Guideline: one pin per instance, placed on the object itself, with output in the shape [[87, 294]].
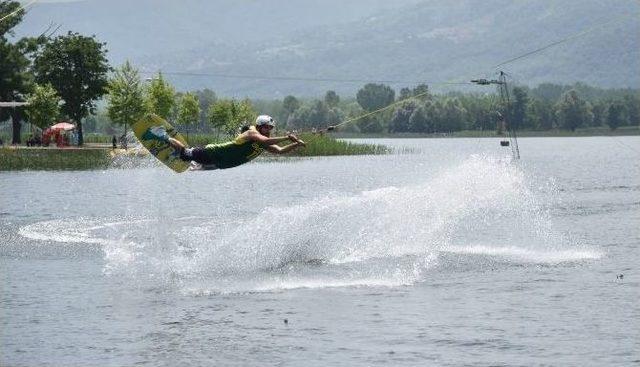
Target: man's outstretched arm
[[256, 136], [276, 149]]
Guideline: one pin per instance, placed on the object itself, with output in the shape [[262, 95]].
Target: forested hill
[[430, 41], [136, 28]]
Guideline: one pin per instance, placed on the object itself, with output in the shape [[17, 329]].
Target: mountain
[[135, 28], [412, 41]]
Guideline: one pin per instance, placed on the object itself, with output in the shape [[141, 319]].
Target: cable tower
[[504, 116]]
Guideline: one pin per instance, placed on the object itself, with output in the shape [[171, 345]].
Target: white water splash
[[385, 237]]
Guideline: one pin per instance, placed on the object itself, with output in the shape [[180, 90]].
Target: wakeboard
[[152, 131]]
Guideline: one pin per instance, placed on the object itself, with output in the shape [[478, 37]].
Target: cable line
[[17, 10], [566, 39], [304, 79], [527, 54], [380, 109]]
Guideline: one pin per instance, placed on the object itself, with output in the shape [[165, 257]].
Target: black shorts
[[197, 155]]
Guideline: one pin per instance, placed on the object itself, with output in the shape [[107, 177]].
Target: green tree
[[77, 68], [228, 115], [125, 96], [599, 110], [453, 115], [399, 122], [370, 124], [405, 93], [518, 108], [420, 120], [331, 99], [44, 106], [434, 112], [205, 98], [243, 113], [617, 115], [351, 110], [632, 103], [220, 115], [9, 22], [160, 97], [548, 92], [375, 96], [540, 115], [421, 92], [480, 110], [315, 115], [572, 111], [290, 104], [188, 111], [15, 79]]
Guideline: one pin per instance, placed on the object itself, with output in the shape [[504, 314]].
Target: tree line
[[416, 110]]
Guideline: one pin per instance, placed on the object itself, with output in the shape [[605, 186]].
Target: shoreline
[[579, 133], [96, 156]]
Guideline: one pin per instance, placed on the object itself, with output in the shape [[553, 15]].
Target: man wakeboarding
[[245, 147]]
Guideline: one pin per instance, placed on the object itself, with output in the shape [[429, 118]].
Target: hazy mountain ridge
[[146, 27], [430, 41], [419, 44]]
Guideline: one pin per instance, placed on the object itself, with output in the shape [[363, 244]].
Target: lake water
[[447, 254]]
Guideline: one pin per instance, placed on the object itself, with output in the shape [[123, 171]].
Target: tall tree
[[540, 114], [314, 115], [617, 115], [399, 122], [632, 102], [405, 93], [44, 105], [599, 109], [421, 92], [375, 96], [126, 96], [573, 111], [188, 110], [290, 104], [370, 124], [228, 115], [454, 115], [331, 99], [205, 98], [76, 66], [420, 120], [9, 21], [548, 91], [160, 97], [518, 108], [15, 80], [220, 114]]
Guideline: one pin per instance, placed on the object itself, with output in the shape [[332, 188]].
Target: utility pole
[[503, 89]]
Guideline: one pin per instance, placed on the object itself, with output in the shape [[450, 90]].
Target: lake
[[445, 253]]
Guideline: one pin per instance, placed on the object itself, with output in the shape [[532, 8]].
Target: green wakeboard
[[152, 131]]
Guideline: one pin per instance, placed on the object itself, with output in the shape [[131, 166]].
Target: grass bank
[[102, 157], [323, 145], [12, 159]]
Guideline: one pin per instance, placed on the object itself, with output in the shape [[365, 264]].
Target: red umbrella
[[63, 126]]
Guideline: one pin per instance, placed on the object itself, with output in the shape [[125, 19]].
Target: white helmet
[[265, 120]]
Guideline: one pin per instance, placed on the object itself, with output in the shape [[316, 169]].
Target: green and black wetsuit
[[225, 155]]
